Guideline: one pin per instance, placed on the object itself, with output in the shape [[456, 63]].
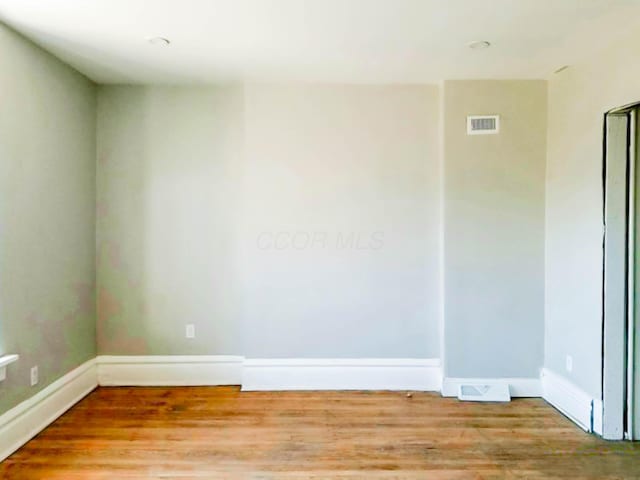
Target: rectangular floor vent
[[488, 392]]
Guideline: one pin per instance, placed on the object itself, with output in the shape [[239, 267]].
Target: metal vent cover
[[485, 392], [483, 124]]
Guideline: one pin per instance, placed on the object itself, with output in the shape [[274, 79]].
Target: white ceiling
[[363, 41]]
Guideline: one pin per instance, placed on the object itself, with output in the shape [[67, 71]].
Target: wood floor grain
[[221, 433]]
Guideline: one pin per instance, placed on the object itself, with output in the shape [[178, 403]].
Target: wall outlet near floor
[[34, 375], [190, 331], [569, 363]]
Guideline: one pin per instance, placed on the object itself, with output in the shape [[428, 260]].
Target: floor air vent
[[488, 392]]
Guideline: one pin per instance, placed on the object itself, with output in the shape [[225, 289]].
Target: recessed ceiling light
[[479, 45], [159, 41]]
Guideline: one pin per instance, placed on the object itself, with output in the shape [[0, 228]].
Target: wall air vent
[[483, 124]]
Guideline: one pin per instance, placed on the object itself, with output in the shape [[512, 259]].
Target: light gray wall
[[307, 216], [494, 230], [325, 162], [47, 220], [167, 208], [578, 99]]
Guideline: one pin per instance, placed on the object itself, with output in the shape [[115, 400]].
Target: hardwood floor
[[220, 433]]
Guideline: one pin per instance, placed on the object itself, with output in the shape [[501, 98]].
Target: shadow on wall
[[167, 168], [121, 281]]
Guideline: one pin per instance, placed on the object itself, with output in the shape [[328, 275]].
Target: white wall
[[494, 230], [578, 100], [323, 163], [198, 188]]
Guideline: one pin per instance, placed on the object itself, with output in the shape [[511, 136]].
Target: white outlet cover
[[34, 375], [190, 331], [569, 363]]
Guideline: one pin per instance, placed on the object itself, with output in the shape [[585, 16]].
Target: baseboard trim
[[27, 419], [169, 370], [341, 374], [572, 401], [598, 413], [518, 387]]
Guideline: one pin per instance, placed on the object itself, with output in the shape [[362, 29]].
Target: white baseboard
[[270, 374], [169, 370], [598, 413], [342, 374], [23, 422], [27, 419], [518, 387], [572, 401]]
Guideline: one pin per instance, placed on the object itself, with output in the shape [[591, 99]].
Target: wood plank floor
[[221, 433]]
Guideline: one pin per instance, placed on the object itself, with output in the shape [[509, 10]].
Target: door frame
[[619, 187]]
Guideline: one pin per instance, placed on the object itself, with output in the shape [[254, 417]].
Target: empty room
[[319, 239]]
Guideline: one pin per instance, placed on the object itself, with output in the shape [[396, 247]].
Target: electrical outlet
[[569, 363], [190, 331], [34, 375]]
